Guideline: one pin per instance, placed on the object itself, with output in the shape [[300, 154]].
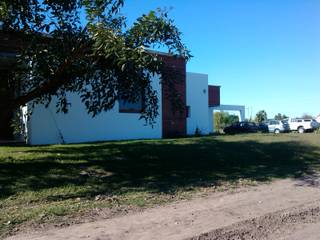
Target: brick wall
[[174, 118], [214, 95]]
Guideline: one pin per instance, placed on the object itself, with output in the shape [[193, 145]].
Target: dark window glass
[[126, 106]]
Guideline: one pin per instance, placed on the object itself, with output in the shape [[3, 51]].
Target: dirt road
[[285, 209]]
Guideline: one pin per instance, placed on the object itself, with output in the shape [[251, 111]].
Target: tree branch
[[56, 81]]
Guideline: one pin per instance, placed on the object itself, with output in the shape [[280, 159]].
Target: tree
[[280, 116], [261, 116], [232, 119], [217, 121], [99, 57], [223, 119], [307, 116]]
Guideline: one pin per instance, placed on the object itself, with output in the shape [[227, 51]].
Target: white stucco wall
[[197, 99], [77, 126]]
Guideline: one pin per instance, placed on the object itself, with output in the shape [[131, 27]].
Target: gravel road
[[284, 209]]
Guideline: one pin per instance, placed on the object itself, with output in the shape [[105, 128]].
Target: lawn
[[44, 184]]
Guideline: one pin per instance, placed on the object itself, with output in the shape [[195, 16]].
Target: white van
[[302, 125]]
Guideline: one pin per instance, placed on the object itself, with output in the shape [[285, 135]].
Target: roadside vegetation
[[222, 120], [60, 183]]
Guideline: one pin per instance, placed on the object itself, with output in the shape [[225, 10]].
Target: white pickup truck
[[302, 125]]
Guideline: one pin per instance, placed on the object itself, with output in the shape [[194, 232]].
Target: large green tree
[[86, 47], [223, 119], [280, 116], [261, 116]]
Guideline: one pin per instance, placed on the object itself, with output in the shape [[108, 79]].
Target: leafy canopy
[[86, 47], [280, 116], [223, 119], [261, 116]]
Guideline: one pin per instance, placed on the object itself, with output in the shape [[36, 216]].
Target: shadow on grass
[[155, 166]]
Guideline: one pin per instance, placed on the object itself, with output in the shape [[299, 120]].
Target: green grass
[[44, 183]]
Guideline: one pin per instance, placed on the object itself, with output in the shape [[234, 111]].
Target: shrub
[[197, 132]]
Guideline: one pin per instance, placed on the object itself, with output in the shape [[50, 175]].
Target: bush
[[197, 132]]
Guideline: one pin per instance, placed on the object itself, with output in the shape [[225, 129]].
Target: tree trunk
[[6, 131], [6, 114]]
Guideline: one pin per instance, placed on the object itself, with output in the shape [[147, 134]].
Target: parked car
[[277, 126], [302, 125], [241, 127], [263, 127]]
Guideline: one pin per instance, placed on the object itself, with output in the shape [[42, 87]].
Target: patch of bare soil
[[284, 209], [277, 225]]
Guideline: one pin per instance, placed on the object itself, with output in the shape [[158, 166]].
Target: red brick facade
[[174, 122], [214, 95]]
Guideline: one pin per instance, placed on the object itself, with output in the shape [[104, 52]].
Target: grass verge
[[43, 184]]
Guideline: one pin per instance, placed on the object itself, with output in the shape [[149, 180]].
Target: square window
[[126, 106]]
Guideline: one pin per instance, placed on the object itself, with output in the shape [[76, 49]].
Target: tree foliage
[[85, 47], [3, 10], [307, 116], [261, 116], [280, 116], [223, 119]]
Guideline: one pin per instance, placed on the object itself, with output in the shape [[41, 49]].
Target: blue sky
[[265, 54]]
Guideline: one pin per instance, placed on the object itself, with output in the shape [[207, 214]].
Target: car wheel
[[300, 130], [277, 131]]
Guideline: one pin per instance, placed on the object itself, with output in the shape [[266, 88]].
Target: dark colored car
[[263, 127], [241, 127]]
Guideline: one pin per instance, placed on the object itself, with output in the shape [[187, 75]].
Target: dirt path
[[284, 209], [300, 222]]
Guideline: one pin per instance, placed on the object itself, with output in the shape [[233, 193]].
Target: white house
[[45, 126]]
